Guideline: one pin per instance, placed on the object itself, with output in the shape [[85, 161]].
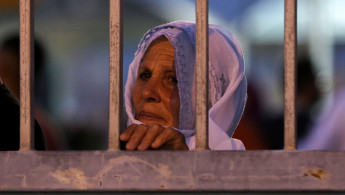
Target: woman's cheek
[[175, 107], [136, 96]]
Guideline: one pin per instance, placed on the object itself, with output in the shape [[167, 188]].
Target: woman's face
[[155, 93]]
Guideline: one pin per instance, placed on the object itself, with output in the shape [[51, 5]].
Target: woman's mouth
[[149, 116]]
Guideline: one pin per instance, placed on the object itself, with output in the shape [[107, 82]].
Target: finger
[[136, 137], [151, 134], [163, 137], [127, 133]]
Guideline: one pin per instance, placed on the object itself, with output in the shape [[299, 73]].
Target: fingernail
[[129, 146], [123, 137], [140, 147], [154, 145]]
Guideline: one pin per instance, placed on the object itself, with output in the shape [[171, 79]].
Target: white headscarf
[[227, 82]]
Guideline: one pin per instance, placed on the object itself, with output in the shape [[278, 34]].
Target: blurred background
[[72, 85]]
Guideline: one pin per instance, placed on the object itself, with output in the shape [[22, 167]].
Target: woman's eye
[[145, 75], [174, 80]]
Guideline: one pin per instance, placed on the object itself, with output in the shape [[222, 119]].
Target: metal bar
[[201, 172], [26, 74], [290, 42], [115, 74], [201, 70]]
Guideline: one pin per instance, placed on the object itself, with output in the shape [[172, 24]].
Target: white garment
[[227, 82]]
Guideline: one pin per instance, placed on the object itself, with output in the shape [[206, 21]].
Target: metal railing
[[116, 67], [26, 74], [114, 170], [290, 42], [115, 74]]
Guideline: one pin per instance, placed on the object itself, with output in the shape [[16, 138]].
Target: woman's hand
[[157, 137]]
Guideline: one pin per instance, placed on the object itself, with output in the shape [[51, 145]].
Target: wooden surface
[[290, 41], [115, 74], [26, 74], [201, 74]]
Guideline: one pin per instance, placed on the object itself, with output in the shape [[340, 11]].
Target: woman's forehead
[[160, 52], [160, 46], [164, 63]]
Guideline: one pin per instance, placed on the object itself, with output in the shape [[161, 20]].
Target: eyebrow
[[144, 69]]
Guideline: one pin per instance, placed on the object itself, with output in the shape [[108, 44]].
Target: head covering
[[227, 82]]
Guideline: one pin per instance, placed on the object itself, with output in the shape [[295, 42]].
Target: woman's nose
[[150, 91]]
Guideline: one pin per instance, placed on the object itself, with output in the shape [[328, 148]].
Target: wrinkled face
[[155, 93]]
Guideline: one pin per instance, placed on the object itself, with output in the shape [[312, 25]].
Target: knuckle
[[154, 130], [169, 130], [155, 126], [135, 138], [172, 132], [133, 125]]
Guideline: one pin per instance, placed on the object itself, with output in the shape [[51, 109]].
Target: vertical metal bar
[[201, 74], [290, 42], [26, 74], [115, 74]]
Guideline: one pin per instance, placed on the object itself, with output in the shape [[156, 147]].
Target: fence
[[189, 171]]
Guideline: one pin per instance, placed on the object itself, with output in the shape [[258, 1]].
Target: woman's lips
[[148, 116]]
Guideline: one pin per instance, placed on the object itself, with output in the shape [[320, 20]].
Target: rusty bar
[[115, 73], [290, 42], [201, 74], [26, 74]]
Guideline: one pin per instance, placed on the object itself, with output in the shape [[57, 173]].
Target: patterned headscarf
[[227, 82]]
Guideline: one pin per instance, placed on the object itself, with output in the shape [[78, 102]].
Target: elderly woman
[[160, 90]]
